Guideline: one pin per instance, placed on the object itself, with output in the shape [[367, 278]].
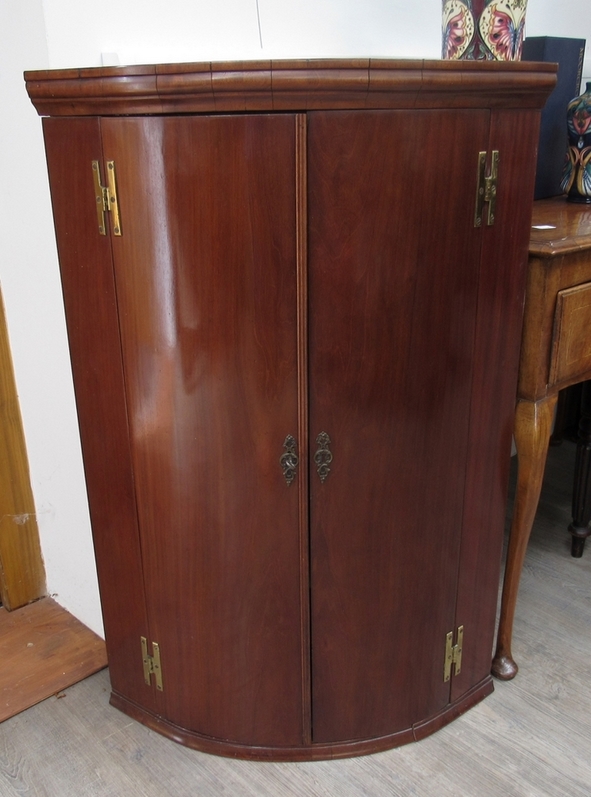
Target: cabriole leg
[[533, 423]]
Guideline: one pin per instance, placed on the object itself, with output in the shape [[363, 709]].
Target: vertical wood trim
[[22, 575], [303, 432], [503, 272]]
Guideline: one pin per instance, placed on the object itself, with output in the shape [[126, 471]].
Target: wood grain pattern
[[289, 85], [43, 650], [301, 177], [393, 291], [559, 260], [206, 289], [530, 737], [22, 575], [267, 260], [318, 751], [500, 307], [533, 423], [571, 346], [558, 272], [559, 227], [89, 299]]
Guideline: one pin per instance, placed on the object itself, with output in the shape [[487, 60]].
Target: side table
[[555, 353]]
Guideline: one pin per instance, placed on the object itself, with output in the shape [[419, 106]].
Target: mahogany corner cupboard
[[294, 294]]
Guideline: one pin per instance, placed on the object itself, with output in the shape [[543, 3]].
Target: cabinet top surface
[[559, 227], [295, 85]]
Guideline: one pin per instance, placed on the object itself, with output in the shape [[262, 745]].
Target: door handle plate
[[323, 456], [289, 460]]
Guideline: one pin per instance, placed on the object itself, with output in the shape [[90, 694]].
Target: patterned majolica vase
[[479, 30], [576, 178]]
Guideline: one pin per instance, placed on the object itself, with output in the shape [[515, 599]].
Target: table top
[[559, 227]]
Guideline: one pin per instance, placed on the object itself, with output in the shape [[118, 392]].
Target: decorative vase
[[479, 30], [576, 179]]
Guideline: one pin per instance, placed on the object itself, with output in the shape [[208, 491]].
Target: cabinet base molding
[[313, 752]]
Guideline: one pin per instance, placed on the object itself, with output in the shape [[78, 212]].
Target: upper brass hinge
[[486, 188], [106, 197], [152, 664], [453, 653]]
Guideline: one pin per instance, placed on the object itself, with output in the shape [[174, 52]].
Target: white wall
[[68, 33], [30, 284], [191, 30], [570, 18]]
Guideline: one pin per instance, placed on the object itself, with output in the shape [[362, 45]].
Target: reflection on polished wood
[[289, 85], [555, 353], [295, 273]]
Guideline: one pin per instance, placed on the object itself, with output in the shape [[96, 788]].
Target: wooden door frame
[[22, 575]]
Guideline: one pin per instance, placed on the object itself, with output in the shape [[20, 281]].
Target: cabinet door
[[206, 291], [91, 312], [394, 273], [496, 362]]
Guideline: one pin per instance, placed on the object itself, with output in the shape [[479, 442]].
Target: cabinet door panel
[[91, 312], [394, 270], [501, 297], [206, 285]]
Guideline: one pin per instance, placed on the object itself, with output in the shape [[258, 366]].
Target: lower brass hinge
[[453, 654], [152, 664]]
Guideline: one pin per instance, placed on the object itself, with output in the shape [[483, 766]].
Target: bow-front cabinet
[[293, 293]]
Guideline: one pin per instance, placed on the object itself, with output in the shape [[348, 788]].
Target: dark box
[[568, 53]]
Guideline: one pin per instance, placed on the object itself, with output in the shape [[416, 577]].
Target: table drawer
[[571, 339]]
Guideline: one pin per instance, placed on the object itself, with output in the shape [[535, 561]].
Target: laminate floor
[[530, 738]]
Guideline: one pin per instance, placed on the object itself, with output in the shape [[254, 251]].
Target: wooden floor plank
[[43, 650]]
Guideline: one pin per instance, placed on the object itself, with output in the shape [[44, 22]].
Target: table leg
[[579, 528], [533, 424], [557, 435]]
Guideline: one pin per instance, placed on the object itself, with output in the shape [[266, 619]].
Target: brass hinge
[[106, 197], [486, 189], [152, 664], [453, 654]]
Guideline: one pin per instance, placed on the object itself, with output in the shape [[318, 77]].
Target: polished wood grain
[[530, 737], [571, 346], [559, 227], [553, 356], [318, 751], [303, 483], [95, 350], [43, 649], [206, 289], [295, 274], [559, 248], [533, 424], [393, 286], [496, 358], [22, 575], [289, 85]]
